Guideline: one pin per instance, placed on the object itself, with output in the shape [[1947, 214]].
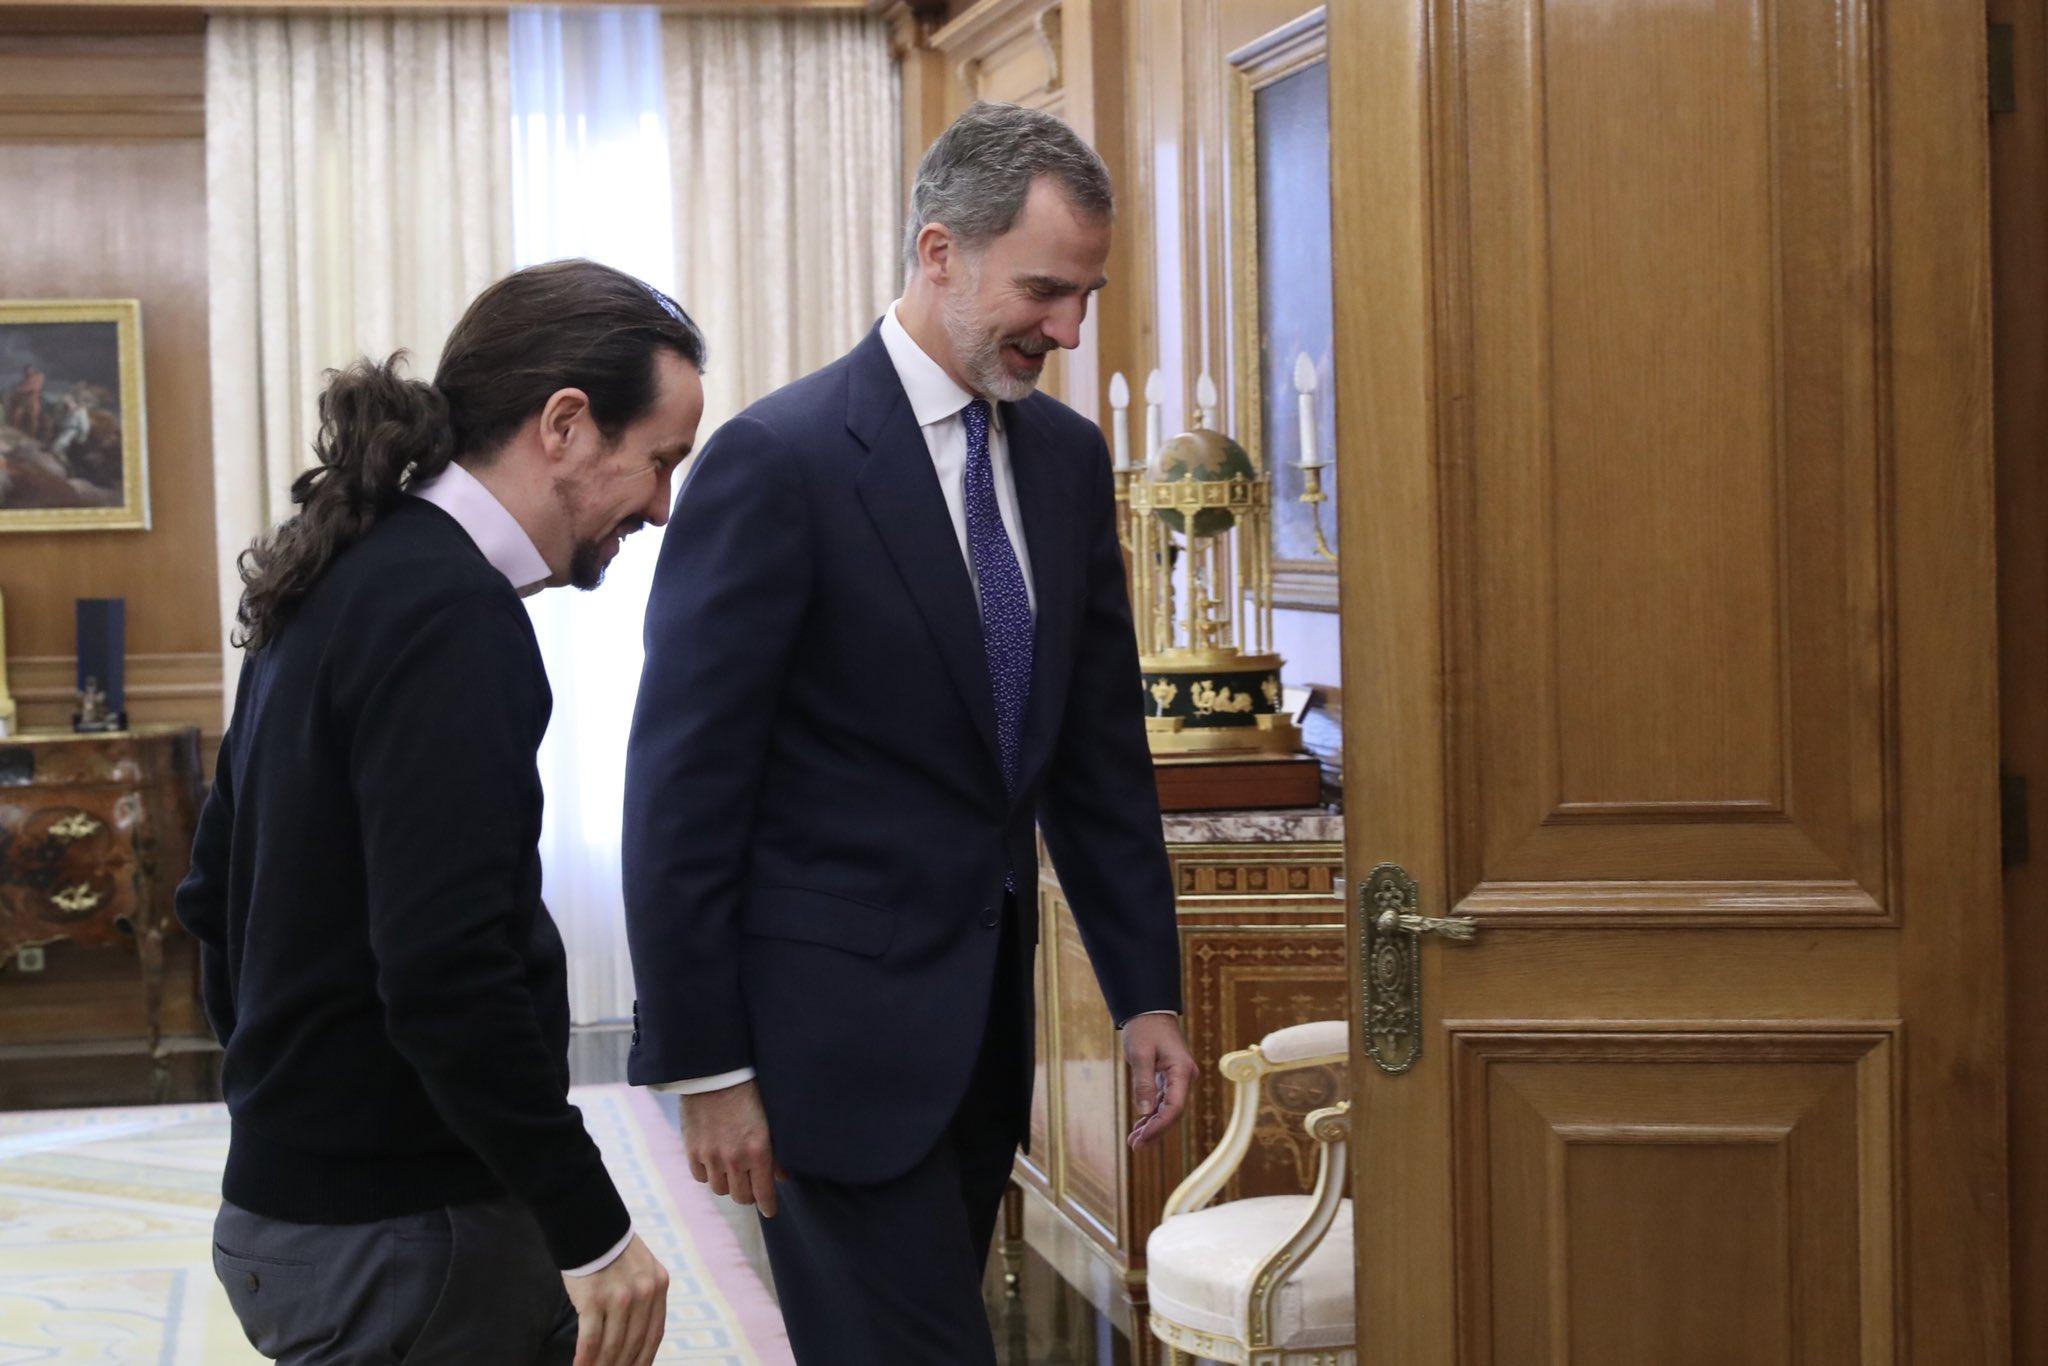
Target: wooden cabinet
[[95, 833], [1262, 946]]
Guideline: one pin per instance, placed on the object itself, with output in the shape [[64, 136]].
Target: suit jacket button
[[989, 918]]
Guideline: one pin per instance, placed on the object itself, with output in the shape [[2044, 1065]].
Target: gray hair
[[975, 177]]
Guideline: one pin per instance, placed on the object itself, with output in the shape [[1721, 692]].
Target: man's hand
[[621, 1311], [725, 1134], [1162, 1074]]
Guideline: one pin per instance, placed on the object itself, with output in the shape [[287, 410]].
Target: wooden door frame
[[2019, 278], [1386, 368], [1934, 268]]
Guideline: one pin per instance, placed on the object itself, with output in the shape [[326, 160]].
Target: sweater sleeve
[[201, 900], [442, 762]]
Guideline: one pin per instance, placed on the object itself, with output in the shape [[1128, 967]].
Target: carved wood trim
[[1674, 905]]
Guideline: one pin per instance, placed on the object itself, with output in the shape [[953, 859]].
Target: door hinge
[[2012, 818], [1999, 51]]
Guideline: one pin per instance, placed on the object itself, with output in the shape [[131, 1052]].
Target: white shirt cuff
[[1143, 1013], [618, 1251], [697, 1086]]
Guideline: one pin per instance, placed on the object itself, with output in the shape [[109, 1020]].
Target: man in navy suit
[[889, 637]]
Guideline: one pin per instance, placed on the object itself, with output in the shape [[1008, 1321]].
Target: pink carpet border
[[723, 1259]]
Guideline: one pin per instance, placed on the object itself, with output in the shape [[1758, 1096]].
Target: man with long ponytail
[[406, 1179]]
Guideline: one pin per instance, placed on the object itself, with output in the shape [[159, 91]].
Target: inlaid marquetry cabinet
[[1262, 946], [98, 999]]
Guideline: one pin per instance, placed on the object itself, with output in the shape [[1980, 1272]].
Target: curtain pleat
[[358, 196], [591, 179], [784, 145]]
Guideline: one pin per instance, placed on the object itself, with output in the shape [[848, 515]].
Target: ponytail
[[379, 433]]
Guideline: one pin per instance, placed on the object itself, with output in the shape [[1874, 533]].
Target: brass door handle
[[1449, 926], [1390, 956]]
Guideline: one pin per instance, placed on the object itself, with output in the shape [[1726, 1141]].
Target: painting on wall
[[71, 420], [1284, 303]]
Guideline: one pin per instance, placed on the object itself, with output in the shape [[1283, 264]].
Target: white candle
[[1305, 386], [1120, 420], [1205, 400], [1155, 398]]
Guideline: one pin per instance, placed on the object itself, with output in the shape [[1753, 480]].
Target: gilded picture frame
[[73, 429], [1291, 55], [10, 715]]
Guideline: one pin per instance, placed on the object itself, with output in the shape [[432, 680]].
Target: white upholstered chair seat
[[1199, 1269]]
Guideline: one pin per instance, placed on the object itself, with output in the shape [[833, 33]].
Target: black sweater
[[365, 889]]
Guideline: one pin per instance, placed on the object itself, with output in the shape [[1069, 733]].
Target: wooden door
[[1663, 356]]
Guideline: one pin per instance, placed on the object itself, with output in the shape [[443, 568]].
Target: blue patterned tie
[[1005, 606]]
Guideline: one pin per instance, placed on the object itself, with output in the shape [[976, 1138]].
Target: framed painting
[[71, 418], [1283, 304]]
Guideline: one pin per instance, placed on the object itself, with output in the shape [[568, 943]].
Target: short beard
[[586, 565], [586, 558], [978, 348]]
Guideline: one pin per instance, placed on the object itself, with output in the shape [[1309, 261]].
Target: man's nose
[[657, 509], [1064, 324]]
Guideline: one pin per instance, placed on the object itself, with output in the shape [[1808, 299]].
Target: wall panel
[[102, 151]]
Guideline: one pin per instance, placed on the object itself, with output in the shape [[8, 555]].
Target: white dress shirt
[[936, 401], [512, 553]]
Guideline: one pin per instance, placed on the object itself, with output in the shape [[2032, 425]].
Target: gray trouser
[[458, 1286]]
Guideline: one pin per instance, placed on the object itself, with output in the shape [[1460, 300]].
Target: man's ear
[[938, 254], [562, 419]]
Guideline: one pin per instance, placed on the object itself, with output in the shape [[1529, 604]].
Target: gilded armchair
[[1264, 1281]]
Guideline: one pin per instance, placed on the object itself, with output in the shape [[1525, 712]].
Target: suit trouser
[[890, 1274], [458, 1286]]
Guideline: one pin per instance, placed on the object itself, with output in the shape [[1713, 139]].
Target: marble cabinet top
[[1305, 825]]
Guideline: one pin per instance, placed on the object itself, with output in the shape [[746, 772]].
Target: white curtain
[[786, 146], [359, 194], [590, 178], [779, 140]]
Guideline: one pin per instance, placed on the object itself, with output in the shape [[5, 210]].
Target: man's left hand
[[1162, 1074]]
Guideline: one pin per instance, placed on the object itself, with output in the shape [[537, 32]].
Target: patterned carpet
[[106, 1215]]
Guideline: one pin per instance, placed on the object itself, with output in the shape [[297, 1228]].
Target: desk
[[95, 834], [1262, 946]]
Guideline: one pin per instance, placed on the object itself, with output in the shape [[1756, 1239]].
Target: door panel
[[1765, 1149], [1663, 375], [1662, 523]]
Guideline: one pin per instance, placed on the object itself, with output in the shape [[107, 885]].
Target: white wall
[[1308, 643]]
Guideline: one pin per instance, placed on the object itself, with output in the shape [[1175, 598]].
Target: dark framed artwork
[[72, 456], [1283, 291]]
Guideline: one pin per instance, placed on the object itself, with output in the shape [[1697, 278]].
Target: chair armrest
[[1243, 1069], [1320, 1043], [1331, 1128], [1315, 1044]]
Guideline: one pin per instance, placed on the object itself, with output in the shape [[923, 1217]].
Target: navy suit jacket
[[817, 829]]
